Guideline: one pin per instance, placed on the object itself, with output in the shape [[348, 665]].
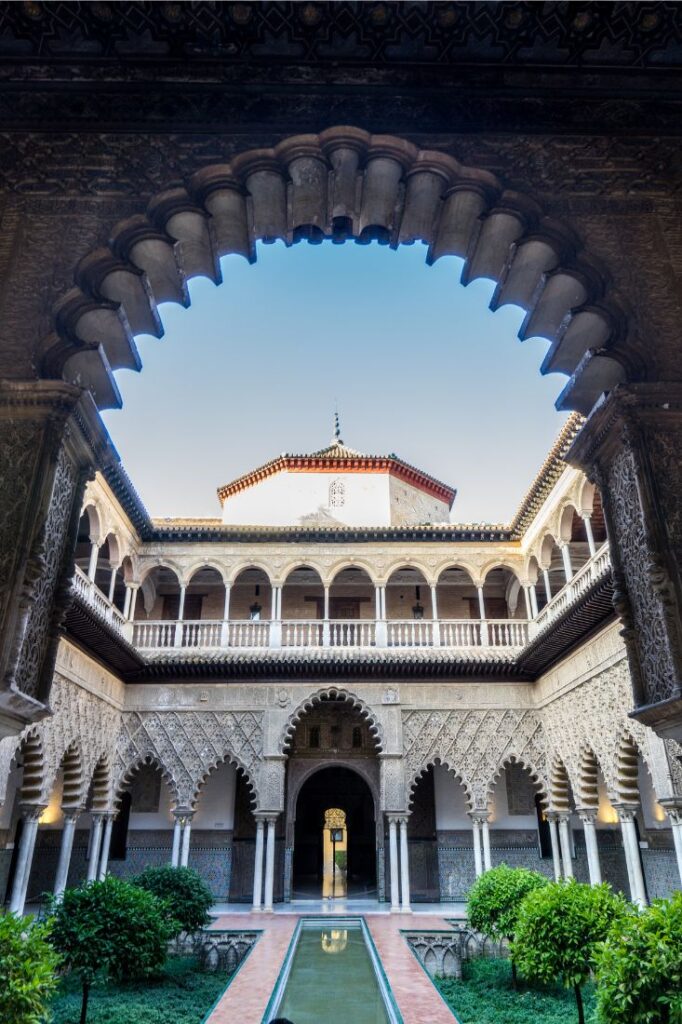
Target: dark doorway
[[334, 788]]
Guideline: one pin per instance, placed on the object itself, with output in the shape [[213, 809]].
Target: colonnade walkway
[[246, 998]]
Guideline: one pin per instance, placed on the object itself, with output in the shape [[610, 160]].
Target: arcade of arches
[[457, 694]]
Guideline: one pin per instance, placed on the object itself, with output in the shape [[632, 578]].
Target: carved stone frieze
[[79, 719], [475, 745], [187, 745]]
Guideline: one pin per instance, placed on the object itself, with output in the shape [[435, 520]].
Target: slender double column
[[68, 833], [588, 816], [106, 843], [31, 817], [381, 629], [675, 816], [481, 834], [478, 859], [565, 843], [399, 864], [633, 861], [177, 839], [95, 845], [263, 888], [552, 819], [185, 840]]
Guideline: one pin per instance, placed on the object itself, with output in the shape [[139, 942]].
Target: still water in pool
[[332, 980]]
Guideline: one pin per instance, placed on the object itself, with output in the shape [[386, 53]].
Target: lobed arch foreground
[[342, 184]]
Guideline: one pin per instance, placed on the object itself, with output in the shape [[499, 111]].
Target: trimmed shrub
[[184, 892], [495, 900], [558, 930], [27, 969], [110, 929], [639, 967]]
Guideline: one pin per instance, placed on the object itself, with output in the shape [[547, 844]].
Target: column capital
[[587, 814], [563, 816], [32, 812], [395, 818], [266, 816], [479, 816], [73, 814], [626, 812], [552, 816]]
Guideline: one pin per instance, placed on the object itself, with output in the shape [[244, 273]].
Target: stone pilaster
[[630, 446], [49, 433]]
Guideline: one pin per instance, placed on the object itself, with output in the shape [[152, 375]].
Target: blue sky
[[417, 364]]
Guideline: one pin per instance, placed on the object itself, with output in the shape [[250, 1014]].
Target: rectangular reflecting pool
[[332, 974]]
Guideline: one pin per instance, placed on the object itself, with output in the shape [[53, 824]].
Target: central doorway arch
[[334, 788]]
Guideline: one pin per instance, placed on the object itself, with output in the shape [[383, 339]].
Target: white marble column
[[527, 601], [133, 601], [177, 835], [478, 859], [587, 519], [626, 816], [112, 586], [225, 628], [179, 628], [404, 868], [68, 832], [326, 635], [95, 842], [534, 600], [126, 601], [485, 836], [106, 843], [554, 840], [481, 602], [565, 842], [548, 589], [434, 616], [186, 836], [566, 556], [381, 630], [269, 865], [675, 815], [393, 863], [27, 844], [92, 565], [258, 866], [588, 816]]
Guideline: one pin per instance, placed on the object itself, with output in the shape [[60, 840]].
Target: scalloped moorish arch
[[539, 781], [320, 697], [342, 184], [457, 775], [227, 758]]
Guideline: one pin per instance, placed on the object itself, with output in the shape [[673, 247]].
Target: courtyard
[[341, 647]]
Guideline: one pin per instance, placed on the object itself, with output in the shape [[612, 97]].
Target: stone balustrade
[[216, 634], [595, 569]]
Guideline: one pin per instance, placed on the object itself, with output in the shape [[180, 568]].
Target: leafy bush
[[558, 930], [495, 899], [639, 967], [185, 893], [485, 995], [110, 929], [180, 994], [27, 969]]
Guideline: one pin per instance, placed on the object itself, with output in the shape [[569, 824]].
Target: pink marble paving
[[413, 990], [247, 997]]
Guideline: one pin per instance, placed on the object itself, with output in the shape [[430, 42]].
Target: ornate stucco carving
[[187, 745], [475, 745]]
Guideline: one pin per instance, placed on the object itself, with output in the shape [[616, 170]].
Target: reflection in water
[[334, 854], [334, 941], [340, 989]]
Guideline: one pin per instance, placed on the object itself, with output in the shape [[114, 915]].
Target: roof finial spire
[[337, 428]]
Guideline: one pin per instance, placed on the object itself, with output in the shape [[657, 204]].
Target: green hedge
[[486, 996], [181, 994]]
